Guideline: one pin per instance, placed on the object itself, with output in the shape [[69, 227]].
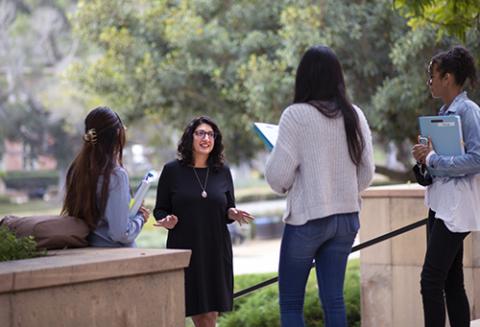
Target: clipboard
[[446, 135], [445, 132], [268, 133]]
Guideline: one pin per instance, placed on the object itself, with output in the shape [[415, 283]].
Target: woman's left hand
[[421, 151], [241, 216]]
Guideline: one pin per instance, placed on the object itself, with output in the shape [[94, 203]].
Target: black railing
[[358, 247]]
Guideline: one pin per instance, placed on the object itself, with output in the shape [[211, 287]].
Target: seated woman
[[97, 188]]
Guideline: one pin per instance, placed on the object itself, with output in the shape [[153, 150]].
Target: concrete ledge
[[88, 264], [95, 287], [412, 190]]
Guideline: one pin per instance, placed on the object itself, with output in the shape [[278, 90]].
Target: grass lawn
[[37, 207]]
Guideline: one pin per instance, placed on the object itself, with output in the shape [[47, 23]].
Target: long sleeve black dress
[[202, 227]]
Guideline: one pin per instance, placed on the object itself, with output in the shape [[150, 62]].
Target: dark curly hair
[[185, 146], [457, 61]]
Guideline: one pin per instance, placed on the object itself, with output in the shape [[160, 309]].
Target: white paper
[[268, 133]]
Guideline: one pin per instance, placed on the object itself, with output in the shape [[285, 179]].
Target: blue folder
[[445, 133]]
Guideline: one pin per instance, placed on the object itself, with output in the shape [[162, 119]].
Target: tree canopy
[[235, 61], [159, 63], [453, 17], [162, 62]]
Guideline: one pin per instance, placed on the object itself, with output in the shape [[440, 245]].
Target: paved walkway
[[260, 256], [256, 256], [261, 207]]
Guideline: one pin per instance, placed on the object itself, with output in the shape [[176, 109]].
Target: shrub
[[4, 199], [13, 248], [38, 179], [241, 198], [261, 309], [136, 180]]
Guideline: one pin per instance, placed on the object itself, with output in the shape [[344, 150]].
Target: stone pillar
[[390, 271]]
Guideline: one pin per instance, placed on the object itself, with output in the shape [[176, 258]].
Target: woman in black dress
[[195, 202]]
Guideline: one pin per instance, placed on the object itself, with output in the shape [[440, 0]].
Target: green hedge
[[4, 199], [21, 180], [261, 309], [43, 179], [135, 181]]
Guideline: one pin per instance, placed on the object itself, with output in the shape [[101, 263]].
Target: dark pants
[[442, 277]]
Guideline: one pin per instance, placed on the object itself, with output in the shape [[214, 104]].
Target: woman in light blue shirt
[[97, 188], [453, 200]]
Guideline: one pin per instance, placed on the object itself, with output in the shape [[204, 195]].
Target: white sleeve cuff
[[427, 159]]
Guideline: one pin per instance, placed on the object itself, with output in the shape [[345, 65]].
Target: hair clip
[[90, 136]]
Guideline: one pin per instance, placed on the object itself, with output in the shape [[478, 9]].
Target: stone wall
[[95, 287], [390, 271]]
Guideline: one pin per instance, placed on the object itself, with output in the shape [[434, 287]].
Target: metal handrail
[[358, 247]]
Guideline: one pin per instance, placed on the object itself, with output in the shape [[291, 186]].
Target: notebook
[[268, 133]]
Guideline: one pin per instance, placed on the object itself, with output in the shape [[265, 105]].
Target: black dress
[[202, 227]]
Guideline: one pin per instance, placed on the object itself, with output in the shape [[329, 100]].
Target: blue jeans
[[328, 241]]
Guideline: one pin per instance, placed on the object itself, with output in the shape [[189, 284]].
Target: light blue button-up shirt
[[116, 228], [468, 163]]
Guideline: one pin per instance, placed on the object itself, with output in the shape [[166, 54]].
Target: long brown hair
[[102, 150]]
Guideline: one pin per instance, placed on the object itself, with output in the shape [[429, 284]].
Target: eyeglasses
[[201, 134]]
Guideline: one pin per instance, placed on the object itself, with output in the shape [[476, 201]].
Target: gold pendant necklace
[[203, 187]]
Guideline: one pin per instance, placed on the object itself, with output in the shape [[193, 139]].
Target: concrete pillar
[[390, 271]]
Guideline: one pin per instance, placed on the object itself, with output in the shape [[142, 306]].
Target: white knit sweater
[[311, 162]]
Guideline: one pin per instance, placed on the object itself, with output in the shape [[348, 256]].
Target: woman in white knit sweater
[[322, 160]]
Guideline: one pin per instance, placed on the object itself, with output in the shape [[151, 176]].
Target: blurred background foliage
[[159, 63], [451, 17], [236, 61]]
